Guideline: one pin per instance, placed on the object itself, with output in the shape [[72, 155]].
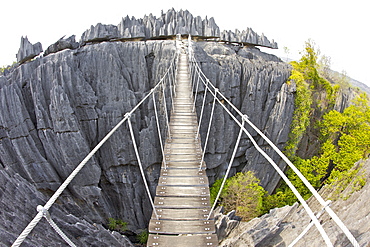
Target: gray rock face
[[225, 223], [62, 44], [27, 51], [18, 201], [253, 232]]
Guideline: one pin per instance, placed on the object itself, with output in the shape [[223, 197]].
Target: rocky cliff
[[56, 108]]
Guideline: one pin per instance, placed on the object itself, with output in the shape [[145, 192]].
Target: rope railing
[[318, 215], [276, 167], [47, 216], [43, 210], [215, 93]]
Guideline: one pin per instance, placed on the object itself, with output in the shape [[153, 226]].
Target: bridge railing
[[198, 77], [162, 94]]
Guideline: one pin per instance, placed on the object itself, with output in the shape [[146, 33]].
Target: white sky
[[340, 28]]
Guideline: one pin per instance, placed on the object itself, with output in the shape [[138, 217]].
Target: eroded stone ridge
[[27, 50], [170, 24], [62, 44], [248, 36]]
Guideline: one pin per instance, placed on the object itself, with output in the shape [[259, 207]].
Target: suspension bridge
[[182, 212]]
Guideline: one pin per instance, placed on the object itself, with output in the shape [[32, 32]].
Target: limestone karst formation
[[55, 108]]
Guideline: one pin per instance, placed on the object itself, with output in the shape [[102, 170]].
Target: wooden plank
[[181, 140], [177, 151], [182, 202], [183, 172], [183, 136], [182, 191], [192, 145], [182, 181], [184, 165], [181, 214], [183, 240], [181, 227], [182, 129]]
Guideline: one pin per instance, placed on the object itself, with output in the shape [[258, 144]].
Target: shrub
[[142, 237], [243, 194], [117, 225]]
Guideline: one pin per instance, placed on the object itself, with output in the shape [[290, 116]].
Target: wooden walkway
[[182, 196]]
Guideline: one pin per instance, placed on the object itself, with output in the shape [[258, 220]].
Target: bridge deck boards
[[182, 226], [183, 241], [182, 195], [181, 202], [181, 214]]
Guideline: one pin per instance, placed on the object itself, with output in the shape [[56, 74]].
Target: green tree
[[242, 193], [348, 135]]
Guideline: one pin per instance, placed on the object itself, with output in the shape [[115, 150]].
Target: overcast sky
[[340, 28]]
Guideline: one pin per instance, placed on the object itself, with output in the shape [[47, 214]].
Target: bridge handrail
[[332, 214], [276, 167], [63, 186]]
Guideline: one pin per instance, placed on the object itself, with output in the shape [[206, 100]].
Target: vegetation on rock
[[344, 138], [3, 68], [142, 237], [242, 193], [117, 225]]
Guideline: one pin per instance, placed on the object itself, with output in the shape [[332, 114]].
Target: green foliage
[[345, 140], [243, 194], [344, 137], [142, 237], [348, 135], [278, 200], [3, 68], [117, 225], [301, 115], [347, 182], [213, 191]]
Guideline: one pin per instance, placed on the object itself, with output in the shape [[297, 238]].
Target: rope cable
[[202, 110], [140, 165], [208, 131], [227, 171], [196, 94], [305, 181], [47, 216], [165, 110], [159, 132], [308, 227]]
